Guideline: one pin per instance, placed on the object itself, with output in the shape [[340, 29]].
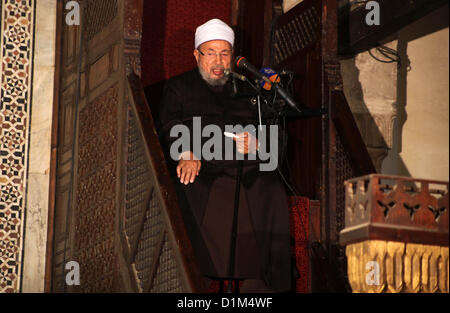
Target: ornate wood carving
[[328, 149], [396, 234], [157, 244], [132, 35], [333, 71], [95, 209], [98, 14], [86, 186], [298, 31], [396, 208], [144, 224]]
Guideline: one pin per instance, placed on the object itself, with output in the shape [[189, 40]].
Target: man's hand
[[246, 143], [188, 167]]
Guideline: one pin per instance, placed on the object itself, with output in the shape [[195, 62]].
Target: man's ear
[[196, 54]]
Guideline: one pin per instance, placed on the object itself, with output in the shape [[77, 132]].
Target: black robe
[[263, 244]]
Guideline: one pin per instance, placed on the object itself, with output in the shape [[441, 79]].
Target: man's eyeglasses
[[212, 55]]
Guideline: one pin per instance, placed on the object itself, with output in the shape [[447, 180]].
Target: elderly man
[[206, 188]]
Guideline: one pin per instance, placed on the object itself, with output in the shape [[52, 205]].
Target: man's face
[[213, 57]]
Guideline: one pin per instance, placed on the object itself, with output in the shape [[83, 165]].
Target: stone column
[[27, 58], [370, 87], [38, 186]]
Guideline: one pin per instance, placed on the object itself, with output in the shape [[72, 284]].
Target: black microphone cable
[[296, 194], [283, 154]]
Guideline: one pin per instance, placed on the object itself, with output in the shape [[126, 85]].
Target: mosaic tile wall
[[16, 54]]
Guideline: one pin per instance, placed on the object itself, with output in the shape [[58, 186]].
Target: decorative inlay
[[16, 57]]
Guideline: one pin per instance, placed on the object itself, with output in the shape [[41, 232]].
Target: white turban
[[214, 29]]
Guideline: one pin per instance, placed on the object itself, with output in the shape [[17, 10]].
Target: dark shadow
[[364, 120], [154, 94], [241, 41], [433, 22]]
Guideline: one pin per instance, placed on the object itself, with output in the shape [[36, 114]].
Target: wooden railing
[[396, 234], [157, 249]]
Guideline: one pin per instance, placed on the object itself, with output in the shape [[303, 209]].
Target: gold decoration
[[377, 266], [394, 265]]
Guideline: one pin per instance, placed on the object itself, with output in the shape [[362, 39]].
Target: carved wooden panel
[[321, 148], [112, 216], [87, 180], [95, 208], [150, 251], [98, 15], [298, 30], [344, 171], [138, 179], [133, 19], [167, 277], [396, 208]]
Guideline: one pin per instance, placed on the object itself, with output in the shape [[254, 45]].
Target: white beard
[[213, 82]]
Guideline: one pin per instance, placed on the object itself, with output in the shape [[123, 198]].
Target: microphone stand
[[234, 230], [232, 260]]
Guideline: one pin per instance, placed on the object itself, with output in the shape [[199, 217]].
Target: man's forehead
[[216, 45]]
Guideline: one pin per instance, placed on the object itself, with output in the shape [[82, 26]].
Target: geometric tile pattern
[[17, 23]]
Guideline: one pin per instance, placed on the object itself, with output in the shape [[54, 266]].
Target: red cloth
[[299, 218], [215, 286], [168, 34]]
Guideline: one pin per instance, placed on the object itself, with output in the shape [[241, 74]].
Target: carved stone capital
[[377, 155], [378, 266]]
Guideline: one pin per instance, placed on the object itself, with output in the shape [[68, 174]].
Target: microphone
[[227, 71], [242, 62]]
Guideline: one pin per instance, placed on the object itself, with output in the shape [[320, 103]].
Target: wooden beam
[[356, 36]]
